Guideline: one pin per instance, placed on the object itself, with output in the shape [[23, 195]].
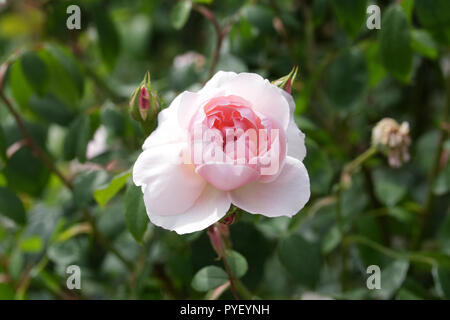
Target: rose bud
[[287, 81], [145, 105]]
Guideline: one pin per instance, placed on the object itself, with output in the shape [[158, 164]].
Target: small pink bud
[[287, 81], [216, 240], [229, 220], [144, 102]]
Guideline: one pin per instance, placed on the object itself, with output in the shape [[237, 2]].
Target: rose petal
[[296, 138], [227, 176], [168, 130], [296, 142], [264, 97], [210, 207], [284, 196], [171, 187]]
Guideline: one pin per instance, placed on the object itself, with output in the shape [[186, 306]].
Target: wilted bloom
[[393, 139], [233, 142], [145, 104]]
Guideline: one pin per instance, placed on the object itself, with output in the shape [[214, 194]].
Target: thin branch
[[45, 158], [37, 150], [232, 279], [220, 34]]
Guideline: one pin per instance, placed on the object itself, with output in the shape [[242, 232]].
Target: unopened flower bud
[[392, 139], [287, 81], [145, 105], [216, 240]]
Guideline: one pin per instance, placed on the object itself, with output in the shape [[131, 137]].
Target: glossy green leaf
[[2, 144], [435, 16], [84, 185], [108, 36], [392, 278], [20, 89], [51, 109], [301, 258], [35, 71], [24, 171], [31, 244], [351, 15], [442, 185], [423, 43], [441, 277], [237, 263], [11, 206], [395, 43], [351, 66], [209, 278], [77, 138], [103, 194], [180, 13], [135, 213]]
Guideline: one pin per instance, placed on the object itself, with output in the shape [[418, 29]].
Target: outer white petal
[[168, 130], [171, 187], [220, 78], [296, 142], [284, 196], [296, 138], [210, 207]]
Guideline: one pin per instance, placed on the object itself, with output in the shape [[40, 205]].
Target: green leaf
[[6, 292], [20, 89], [237, 263], [441, 277], [11, 206], [70, 66], [319, 168], [301, 258], [442, 185], [407, 6], [31, 244], [35, 71], [392, 278], [135, 213], [435, 16], [51, 109], [319, 11], [24, 171], [180, 14], [351, 66], [2, 144], [84, 185], [103, 194], [351, 15], [331, 240], [375, 67], [389, 189], [77, 138], [423, 43], [108, 36], [209, 278], [395, 43]]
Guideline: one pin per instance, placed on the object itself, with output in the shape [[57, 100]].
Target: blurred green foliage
[[66, 84]]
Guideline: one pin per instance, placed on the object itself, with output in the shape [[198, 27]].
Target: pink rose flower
[[233, 142]]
